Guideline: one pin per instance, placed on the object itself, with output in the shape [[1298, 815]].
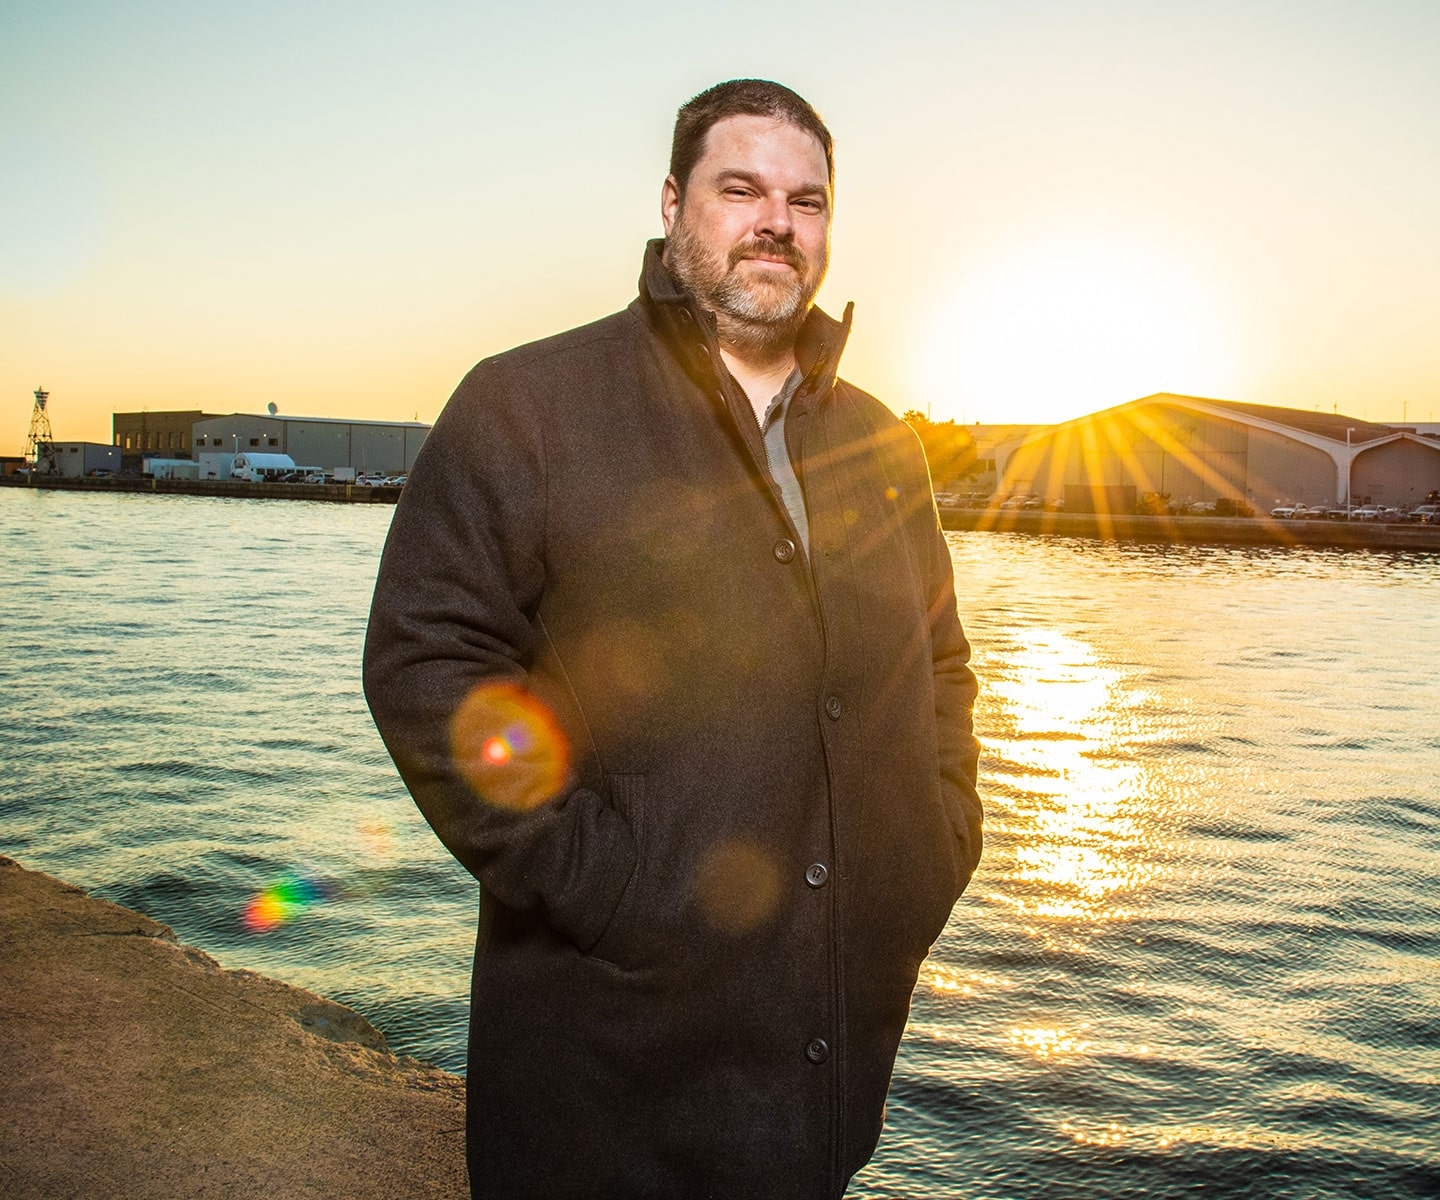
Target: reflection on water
[[1199, 956], [1198, 937], [1060, 721]]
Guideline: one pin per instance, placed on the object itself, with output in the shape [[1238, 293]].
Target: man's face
[[751, 239]]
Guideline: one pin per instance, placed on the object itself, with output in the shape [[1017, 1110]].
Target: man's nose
[[773, 219]]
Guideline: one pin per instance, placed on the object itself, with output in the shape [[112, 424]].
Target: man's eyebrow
[[755, 181]]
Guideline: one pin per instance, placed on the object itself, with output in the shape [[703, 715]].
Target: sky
[[1043, 207]]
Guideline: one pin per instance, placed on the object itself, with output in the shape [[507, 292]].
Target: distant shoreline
[[1118, 527], [341, 493], [1196, 530]]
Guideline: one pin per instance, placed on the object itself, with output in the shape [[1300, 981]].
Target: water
[[1200, 958]]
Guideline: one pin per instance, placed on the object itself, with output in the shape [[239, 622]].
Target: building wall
[[1153, 447], [237, 433], [1398, 473], [167, 431], [373, 447], [80, 458], [214, 464], [1284, 471], [319, 443]]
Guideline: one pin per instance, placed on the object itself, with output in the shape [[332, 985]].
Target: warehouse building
[[167, 432], [86, 458], [369, 447], [1194, 449]]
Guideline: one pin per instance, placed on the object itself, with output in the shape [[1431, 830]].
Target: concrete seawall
[[136, 1068], [1216, 531], [342, 493]]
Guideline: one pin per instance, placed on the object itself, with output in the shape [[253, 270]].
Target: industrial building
[[369, 447], [1195, 449], [168, 430], [85, 458]]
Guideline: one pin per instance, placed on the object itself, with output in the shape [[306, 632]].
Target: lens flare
[[508, 747], [287, 897], [376, 838], [738, 887]]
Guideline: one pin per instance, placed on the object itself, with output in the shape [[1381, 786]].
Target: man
[[664, 645]]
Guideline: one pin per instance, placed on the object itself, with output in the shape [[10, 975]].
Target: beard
[[756, 310]]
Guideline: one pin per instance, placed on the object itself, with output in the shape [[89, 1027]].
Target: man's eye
[[810, 206]]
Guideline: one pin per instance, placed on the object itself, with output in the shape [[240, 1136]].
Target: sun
[[1053, 330]]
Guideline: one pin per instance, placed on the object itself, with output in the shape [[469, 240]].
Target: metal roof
[[312, 420], [1321, 424]]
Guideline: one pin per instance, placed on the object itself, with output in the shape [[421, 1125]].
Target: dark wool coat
[[700, 929]]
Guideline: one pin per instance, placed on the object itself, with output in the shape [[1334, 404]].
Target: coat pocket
[[617, 945]]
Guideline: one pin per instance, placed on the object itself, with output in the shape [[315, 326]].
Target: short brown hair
[[741, 98]]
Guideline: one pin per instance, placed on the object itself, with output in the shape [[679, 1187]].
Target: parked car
[[1366, 512], [1427, 514], [1287, 511], [1225, 506]]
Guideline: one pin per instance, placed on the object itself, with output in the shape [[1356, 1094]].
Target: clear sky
[[1044, 207]]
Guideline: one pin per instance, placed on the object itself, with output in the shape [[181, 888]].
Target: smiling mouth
[[768, 256]]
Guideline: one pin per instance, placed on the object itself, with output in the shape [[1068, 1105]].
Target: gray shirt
[[772, 430]]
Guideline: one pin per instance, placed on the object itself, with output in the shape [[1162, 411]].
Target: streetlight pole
[[1349, 470]]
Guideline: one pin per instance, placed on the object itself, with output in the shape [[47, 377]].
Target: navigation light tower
[[40, 445]]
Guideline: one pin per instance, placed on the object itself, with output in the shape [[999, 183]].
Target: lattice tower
[[40, 445]]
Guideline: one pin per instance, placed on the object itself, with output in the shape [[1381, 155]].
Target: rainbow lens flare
[[288, 896], [508, 747]]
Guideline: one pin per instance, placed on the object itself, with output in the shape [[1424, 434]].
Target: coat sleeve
[[452, 635]]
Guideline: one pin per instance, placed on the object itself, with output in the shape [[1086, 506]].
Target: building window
[[214, 441], [254, 441], [127, 441], [274, 441]]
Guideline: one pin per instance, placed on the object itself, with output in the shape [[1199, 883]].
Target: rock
[[138, 1067]]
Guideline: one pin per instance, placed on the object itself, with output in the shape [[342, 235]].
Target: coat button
[[833, 708], [817, 1050], [784, 550], [816, 875]]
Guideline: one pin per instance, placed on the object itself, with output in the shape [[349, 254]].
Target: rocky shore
[[138, 1067]]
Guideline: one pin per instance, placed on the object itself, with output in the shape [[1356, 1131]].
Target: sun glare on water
[[1050, 331]]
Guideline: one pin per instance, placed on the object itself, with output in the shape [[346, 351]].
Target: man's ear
[[669, 203]]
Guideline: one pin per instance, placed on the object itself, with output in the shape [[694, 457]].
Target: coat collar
[[689, 330]]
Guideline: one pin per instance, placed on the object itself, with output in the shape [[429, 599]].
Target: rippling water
[[1200, 958]]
